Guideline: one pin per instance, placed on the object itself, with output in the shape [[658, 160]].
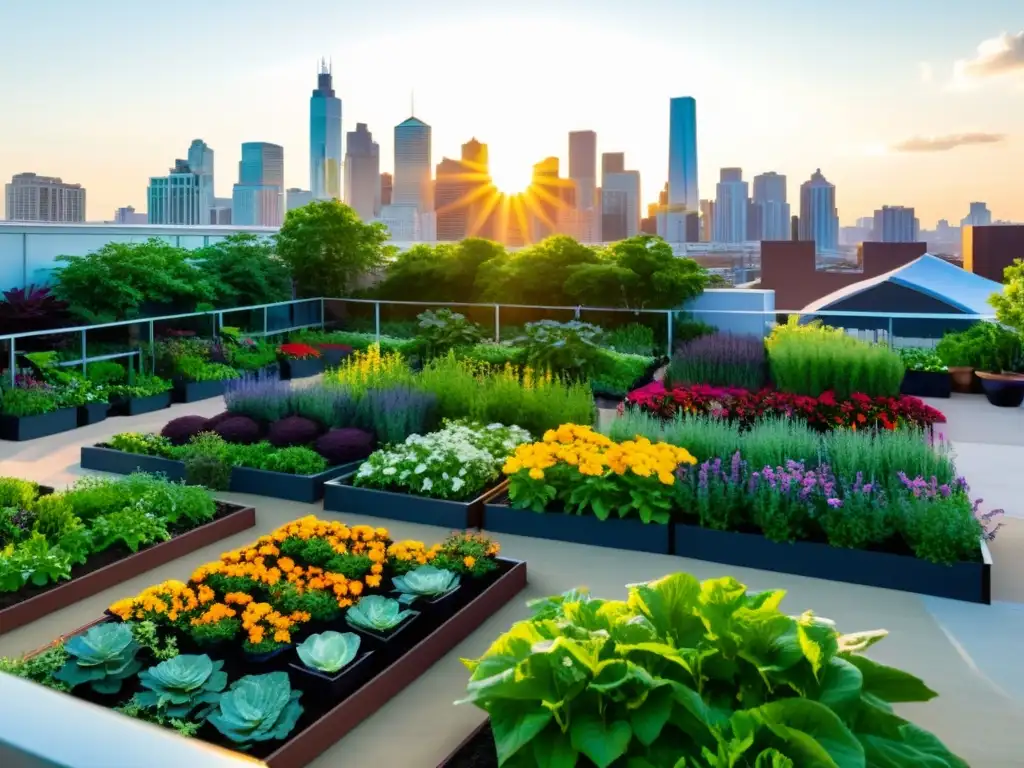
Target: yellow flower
[[469, 561], [667, 478], [536, 474]]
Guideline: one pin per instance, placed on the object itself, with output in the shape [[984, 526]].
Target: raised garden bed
[[41, 425], [301, 369], [971, 582], [260, 482], [327, 718], [118, 564], [92, 413], [135, 406], [926, 384], [341, 496], [615, 532], [193, 391]]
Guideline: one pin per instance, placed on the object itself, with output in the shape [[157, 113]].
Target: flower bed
[[690, 670], [228, 656], [441, 478], [720, 360], [824, 412], [58, 548], [299, 361]]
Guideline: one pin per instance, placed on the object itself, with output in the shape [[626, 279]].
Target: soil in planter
[[479, 752], [103, 559]]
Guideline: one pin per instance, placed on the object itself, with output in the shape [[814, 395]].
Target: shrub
[[17, 493], [293, 430], [342, 446], [441, 330], [106, 372], [182, 429], [296, 460], [632, 339], [238, 429], [28, 399], [570, 348], [497, 355], [984, 347], [720, 360], [213, 421]]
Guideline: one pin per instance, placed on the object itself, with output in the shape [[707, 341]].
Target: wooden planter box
[[89, 584], [301, 369], [341, 496], [615, 532], [278, 485], [926, 384], [92, 413], [136, 406], [971, 582], [41, 425]]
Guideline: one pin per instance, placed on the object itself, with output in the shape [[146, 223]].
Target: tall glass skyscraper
[[325, 138], [819, 217], [257, 199], [412, 184], [682, 168], [200, 161]]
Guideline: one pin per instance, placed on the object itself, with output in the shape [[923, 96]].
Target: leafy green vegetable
[[104, 657], [689, 673], [179, 685], [257, 708], [377, 614], [328, 651], [425, 581]]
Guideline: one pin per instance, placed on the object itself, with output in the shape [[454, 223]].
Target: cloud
[[947, 142], [927, 73], [997, 56]]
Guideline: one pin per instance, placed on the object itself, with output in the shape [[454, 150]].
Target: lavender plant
[[720, 360], [259, 397], [395, 413]]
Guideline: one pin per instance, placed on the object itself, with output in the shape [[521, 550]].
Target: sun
[[511, 178]]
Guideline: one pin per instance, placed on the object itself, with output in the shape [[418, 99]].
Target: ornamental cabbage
[[103, 656], [377, 614], [425, 581], [328, 651], [257, 708], [179, 685]]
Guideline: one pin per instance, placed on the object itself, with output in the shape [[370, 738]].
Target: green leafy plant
[[148, 637], [134, 527], [103, 656], [54, 516], [569, 348], [39, 668], [257, 708], [178, 686], [142, 386], [919, 359], [17, 493], [25, 401], [632, 339], [374, 613], [984, 347], [694, 673], [1009, 304], [441, 330], [144, 444], [328, 652], [244, 271], [106, 372], [425, 581], [34, 562], [296, 460]]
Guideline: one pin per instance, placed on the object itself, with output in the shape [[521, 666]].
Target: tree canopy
[[244, 271]]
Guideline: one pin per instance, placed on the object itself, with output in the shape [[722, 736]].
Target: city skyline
[[917, 118]]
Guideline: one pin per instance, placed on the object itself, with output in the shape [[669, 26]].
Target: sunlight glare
[[511, 177]]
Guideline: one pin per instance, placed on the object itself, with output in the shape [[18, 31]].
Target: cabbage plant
[[376, 614], [177, 686], [425, 581], [257, 708], [698, 674], [328, 651], [103, 656]]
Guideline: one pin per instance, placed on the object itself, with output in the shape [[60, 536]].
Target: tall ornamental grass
[[720, 360], [811, 359]]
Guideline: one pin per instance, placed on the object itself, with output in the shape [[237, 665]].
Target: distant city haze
[[893, 100]]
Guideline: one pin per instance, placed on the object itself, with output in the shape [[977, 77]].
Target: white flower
[[389, 471], [457, 483], [428, 484], [420, 469]]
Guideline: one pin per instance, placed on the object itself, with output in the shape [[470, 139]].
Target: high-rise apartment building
[[128, 215], [450, 193], [43, 198], [895, 224], [544, 216], [412, 181], [480, 194], [176, 198], [707, 220], [683, 198], [731, 196], [296, 198], [770, 209], [257, 199], [620, 205], [583, 167], [200, 161], [979, 216], [325, 138], [612, 162], [819, 217], [362, 173], [386, 187]]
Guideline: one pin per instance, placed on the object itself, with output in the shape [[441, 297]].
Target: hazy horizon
[[896, 105]]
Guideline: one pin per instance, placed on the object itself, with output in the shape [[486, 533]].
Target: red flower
[[298, 351]]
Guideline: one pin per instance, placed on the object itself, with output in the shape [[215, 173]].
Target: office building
[[543, 210], [128, 215], [386, 184], [819, 217], [583, 167], [620, 205], [450, 195], [221, 215], [412, 181], [362, 173], [769, 216], [402, 222], [176, 198], [612, 162], [895, 224], [200, 162], [683, 197], [296, 198], [325, 138], [257, 199], [43, 198], [979, 216], [731, 196], [480, 194]]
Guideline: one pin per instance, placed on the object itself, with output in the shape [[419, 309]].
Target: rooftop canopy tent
[[926, 285]]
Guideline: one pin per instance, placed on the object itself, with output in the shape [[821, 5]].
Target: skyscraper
[[895, 224], [43, 198], [682, 167], [612, 162], [731, 196], [772, 210], [412, 183], [200, 161], [979, 216], [583, 166], [257, 199], [175, 198], [620, 205], [480, 196], [819, 217], [386, 184], [362, 173], [449, 199], [544, 218], [296, 198], [325, 138], [707, 220]]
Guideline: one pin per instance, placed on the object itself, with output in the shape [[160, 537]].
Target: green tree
[[123, 280], [663, 280], [328, 248], [1009, 304], [244, 270], [602, 285], [442, 272], [534, 275]]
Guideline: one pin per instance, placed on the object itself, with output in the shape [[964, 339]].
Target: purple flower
[[835, 503]]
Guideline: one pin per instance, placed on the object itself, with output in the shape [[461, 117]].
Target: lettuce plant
[[374, 613], [685, 673], [257, 708], [177, 686], [104, 657], [329, 652], [425, 581]]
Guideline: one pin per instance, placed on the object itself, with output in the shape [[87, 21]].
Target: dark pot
[[333, 687], [1003, 390], [92, 413], [926, 384], [272, 659], [380, 640]]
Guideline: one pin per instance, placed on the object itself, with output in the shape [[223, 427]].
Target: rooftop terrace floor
[[971, 654]]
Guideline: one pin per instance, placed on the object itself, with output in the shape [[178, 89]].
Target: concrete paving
[[970, 654]]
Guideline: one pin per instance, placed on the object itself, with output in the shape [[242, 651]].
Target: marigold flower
[[469, 561]]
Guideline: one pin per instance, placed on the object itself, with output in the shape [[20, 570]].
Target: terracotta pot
[[963, 378]]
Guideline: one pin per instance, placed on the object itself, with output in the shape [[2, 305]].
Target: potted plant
[[331, 663], [958, 352], [33, 408], [379, 619], [1001, 366], [926, 374], [299, 361]]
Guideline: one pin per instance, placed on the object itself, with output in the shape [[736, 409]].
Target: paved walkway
[[970, 654]]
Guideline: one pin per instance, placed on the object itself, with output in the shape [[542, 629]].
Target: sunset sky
[[895, 104]]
